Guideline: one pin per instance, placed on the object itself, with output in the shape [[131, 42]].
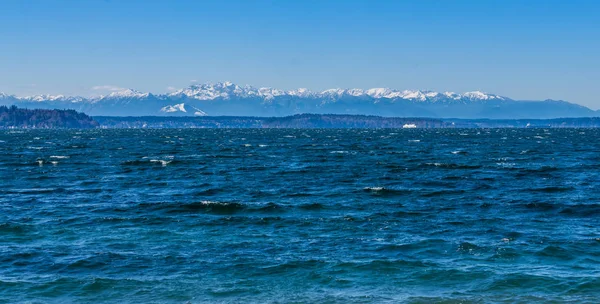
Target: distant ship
[[409, 126]]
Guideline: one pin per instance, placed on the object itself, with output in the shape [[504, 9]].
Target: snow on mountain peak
[[301, 92], [228, 90], [270, 93], [416, 95], [181, 107], [52, 98], [333, 93], [210, 91], [128, 93], [45, 97], [379, 92], [478, 95], [174, 108], [451, 95]]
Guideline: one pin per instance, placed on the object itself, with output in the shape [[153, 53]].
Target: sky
[[526, 50]]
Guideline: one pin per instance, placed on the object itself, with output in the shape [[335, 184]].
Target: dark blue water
[[334, 216]]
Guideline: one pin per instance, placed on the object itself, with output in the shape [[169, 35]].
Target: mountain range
[[228, 99]]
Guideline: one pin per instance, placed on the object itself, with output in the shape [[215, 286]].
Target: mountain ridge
[[227, 98]]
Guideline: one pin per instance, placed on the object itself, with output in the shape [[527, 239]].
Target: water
[[334, 216]]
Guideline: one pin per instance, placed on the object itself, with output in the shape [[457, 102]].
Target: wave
[[442, 193], [12, 228], [208, 207], [269, 207], [145, 161], [208, 192], [555, 252], [538, 206], [451, 166], [342, 152], [164, 163], [215, 207], [542, 169], [584, 210], [134, 162], [312, 206], [383, 191], [384, 266], [32, 190], [551, 189]]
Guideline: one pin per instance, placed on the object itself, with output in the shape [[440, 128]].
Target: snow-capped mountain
[[228, 90], [182, 109], [127, 93], [52, 98], [226, 98]]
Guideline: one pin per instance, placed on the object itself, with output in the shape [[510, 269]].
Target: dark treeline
[[295, 121], [350, 121], [14, 117]]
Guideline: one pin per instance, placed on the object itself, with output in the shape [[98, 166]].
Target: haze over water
[[336, 216]]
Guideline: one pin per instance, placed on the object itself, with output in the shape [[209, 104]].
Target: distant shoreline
[[338, 121], [18, 118]]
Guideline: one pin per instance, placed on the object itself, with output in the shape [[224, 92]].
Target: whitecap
[[164, 163], [59, 156], [414, 140]]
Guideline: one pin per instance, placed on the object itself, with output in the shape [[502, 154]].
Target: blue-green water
[[332, 216]]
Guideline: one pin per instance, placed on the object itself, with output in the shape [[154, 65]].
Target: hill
[[14, 117]]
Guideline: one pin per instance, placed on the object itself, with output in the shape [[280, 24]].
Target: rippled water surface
[[336, 216]]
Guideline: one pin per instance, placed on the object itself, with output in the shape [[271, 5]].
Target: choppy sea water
[[305, 216]]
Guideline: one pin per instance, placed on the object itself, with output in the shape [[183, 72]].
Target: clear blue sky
[[521, 49]]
